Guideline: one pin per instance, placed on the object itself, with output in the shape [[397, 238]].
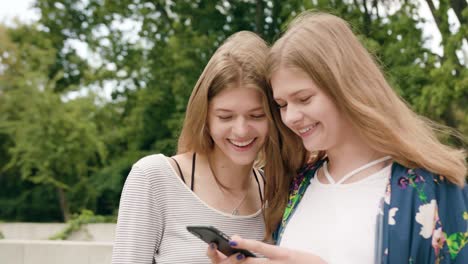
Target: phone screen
[[210, 234]]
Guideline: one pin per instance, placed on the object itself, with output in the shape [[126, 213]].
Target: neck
[[234, 176], [350, 155]]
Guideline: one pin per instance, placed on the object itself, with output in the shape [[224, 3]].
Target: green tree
[[150, 53], [55, 141], [444, 99]]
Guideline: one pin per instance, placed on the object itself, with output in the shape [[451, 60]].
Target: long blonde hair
[[239, 62], [323, 46]]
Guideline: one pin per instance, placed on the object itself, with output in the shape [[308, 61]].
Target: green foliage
[[54, 142], [27, 202], [456, 242], [78, 221], [151, 54]]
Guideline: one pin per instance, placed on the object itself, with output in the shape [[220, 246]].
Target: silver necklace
[[234, 211]]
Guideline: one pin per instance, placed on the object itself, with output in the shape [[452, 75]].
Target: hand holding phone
[[210, 234]]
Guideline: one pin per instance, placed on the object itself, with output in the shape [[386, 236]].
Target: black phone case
[[211, 234]]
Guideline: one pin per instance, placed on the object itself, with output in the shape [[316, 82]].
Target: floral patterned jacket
[[423, 219]]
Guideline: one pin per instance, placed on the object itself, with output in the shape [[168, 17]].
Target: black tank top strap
[[193, 170], [180, 171], [258, 184], [263, 175]]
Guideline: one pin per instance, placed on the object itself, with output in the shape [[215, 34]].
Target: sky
[[17, 8], [23, 10]]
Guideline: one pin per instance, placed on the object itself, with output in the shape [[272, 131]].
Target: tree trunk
[[64, 207], [434, 12], [437, 14], [458, 7], [259, 18], [450, 121], [367, 21]]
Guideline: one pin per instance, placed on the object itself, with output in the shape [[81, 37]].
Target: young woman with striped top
[[214, 179]]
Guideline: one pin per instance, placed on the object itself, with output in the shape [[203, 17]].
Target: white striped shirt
[[155, 208]]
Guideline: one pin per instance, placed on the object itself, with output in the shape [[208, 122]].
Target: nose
[[241, 127], [291, 115]]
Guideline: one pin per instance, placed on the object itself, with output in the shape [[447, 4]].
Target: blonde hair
[[323, 46], [239, 62]]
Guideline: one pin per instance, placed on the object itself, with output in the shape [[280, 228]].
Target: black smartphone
[[211, 234]]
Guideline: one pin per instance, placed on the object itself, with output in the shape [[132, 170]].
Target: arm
[[273, 254], [450, 237], [139, 225]]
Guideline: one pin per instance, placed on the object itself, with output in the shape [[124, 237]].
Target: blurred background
[[88, 87]]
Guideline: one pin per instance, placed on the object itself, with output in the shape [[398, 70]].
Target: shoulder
[[438, 209], [144, 176], [420, 189], [416, 189], [185, 160], [404, 178], [307, 171], [151, 161], [153, 167], [182, 164]]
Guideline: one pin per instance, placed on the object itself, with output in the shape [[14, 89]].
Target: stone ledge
[[54, 252], [42, 231]]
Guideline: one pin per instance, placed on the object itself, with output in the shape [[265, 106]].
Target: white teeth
[[241, 143], [304, 130]]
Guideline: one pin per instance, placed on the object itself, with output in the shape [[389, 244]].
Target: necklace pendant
[[235, 212]]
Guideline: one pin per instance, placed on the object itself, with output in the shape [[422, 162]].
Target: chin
[[242, 160], [313, 147]]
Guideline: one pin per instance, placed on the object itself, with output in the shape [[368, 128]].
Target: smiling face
[[307, 110], [237, 124]]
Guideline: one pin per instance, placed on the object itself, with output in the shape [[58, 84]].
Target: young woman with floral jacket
[[376, 185]]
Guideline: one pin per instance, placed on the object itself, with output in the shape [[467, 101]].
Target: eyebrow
[[293, 94], [228, 110]]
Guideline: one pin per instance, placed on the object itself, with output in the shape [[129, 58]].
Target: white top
[[338, 221], [155, 208]]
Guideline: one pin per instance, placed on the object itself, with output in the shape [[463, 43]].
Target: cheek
[[265, 129], [261, 128], [220, 130], [324, 111], [214, 129], [334, 123], [283, 116]]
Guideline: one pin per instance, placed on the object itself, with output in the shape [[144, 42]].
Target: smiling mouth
[[307, 130], [242, 144]]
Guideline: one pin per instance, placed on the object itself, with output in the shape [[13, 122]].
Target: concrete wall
[[26, 243], [35, 231], [54, 252], [42, 231]]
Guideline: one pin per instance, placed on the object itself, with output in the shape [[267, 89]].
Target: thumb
[[213, 254], [267, 250]]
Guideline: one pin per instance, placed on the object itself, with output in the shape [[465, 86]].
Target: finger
[[256, 261], [234, 259], [214, 255], [267, 250], [250, 260]]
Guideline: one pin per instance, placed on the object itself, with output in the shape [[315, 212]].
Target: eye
[[224, 117], [258, 116], [279, 106], [305, 99]]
